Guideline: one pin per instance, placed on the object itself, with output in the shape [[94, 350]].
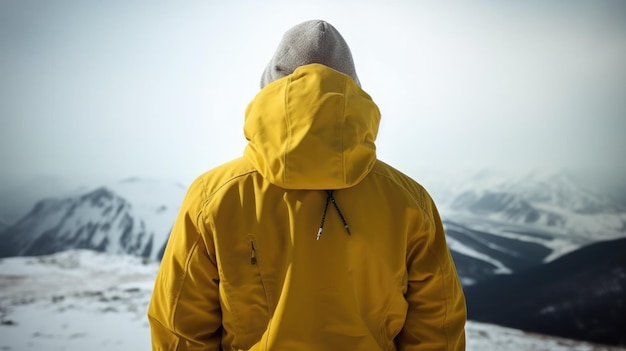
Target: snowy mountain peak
[[548, 200], [126, 217], [560, 189]]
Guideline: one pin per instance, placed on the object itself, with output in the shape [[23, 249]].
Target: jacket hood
[[313, 129]]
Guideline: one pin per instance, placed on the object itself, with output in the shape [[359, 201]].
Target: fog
[[95, 90]]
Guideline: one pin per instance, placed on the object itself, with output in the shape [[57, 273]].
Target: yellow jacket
[[244, 269]]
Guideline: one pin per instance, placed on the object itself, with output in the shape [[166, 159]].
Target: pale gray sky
[[97, 89]]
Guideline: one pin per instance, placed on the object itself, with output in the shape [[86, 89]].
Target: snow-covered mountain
[[552, 202], [482, 254], [495, 224], [84, 300], [133, 216]]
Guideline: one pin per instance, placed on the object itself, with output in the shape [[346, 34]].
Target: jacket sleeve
[[436, 314], [184, 311]]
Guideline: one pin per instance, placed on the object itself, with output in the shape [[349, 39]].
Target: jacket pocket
[[256, 261], [246, 304]]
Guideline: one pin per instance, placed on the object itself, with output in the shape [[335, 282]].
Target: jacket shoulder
[[208, 183], [404, 184]]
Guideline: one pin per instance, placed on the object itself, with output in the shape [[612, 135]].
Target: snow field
[[84, 300]]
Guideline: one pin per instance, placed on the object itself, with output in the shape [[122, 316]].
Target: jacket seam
[[163, 325], [383, 330], [192, 251], [207, 196], [288, 141], [184, 280], [409, 193], [341, 126], [206, 201], [429, 248], [444, 297]]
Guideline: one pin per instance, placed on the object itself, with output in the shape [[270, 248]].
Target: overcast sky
[[94, 89]]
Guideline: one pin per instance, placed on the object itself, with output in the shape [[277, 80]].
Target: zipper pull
[[253, 257]]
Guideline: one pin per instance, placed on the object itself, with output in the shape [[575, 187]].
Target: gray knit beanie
[[310, 42]]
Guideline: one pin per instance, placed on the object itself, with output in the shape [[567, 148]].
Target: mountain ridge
[[134, 217], [551, 201], [99, 219]]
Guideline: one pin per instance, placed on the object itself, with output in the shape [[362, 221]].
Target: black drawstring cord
[[343, 220], [329, 198], [319, 232]]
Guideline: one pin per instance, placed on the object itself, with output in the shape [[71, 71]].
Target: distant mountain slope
[[495, 225], [479, 254], [549, 201], [135, 217], [132, 217], [581, 295]]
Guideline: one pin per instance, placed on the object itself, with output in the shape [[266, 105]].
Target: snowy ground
[[82, 300]]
